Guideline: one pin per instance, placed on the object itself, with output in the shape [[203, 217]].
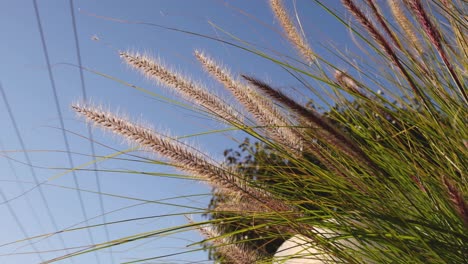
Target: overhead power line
[[29, 163], [90, 132], [12, 211], [62, 125]]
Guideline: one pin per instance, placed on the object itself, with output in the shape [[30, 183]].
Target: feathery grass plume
[[241, 205], [383, 23], [436, 39], [383, 43], [234, 253], [326, 131], [292, 33], [191, 91], [346, 82], [459, 30], [244, 94], [457, 199], [262, 110], [405, 24], [180, 154], [183, 157]]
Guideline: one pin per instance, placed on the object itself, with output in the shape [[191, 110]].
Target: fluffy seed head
[[235, 253], [457, 199], [292, 33], [182, 155], [191, 91], [347, 82], [404, 23], [261, 109]]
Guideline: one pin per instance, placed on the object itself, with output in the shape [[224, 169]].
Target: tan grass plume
[[456, 198], [324, 130], [292, 33], [183, 156], [261, 109], [244, 94], [346, 82], [405, 24], [382, 22], [234, 253], [437, 40], [191, 91]]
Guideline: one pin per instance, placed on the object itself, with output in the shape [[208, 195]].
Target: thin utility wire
[[21, 185], [90, 132], [62, 125], [15, 216], [31, 168], [20, 225]]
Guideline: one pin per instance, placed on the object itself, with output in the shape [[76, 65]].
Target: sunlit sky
[[27, 210]]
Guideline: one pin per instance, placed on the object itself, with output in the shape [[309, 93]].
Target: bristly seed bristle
[[346, 82]]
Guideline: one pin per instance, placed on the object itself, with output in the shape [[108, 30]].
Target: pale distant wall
[[301, 250], [298, 250]]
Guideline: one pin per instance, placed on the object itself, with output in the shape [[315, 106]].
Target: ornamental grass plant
[[379, 176]]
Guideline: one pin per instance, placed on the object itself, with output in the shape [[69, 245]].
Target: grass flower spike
[[190, 90], [183, 157], [292, 33], [397, 8], [261, 109], [233, 253]]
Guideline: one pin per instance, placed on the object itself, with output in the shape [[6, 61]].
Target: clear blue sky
[[25, 79]]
